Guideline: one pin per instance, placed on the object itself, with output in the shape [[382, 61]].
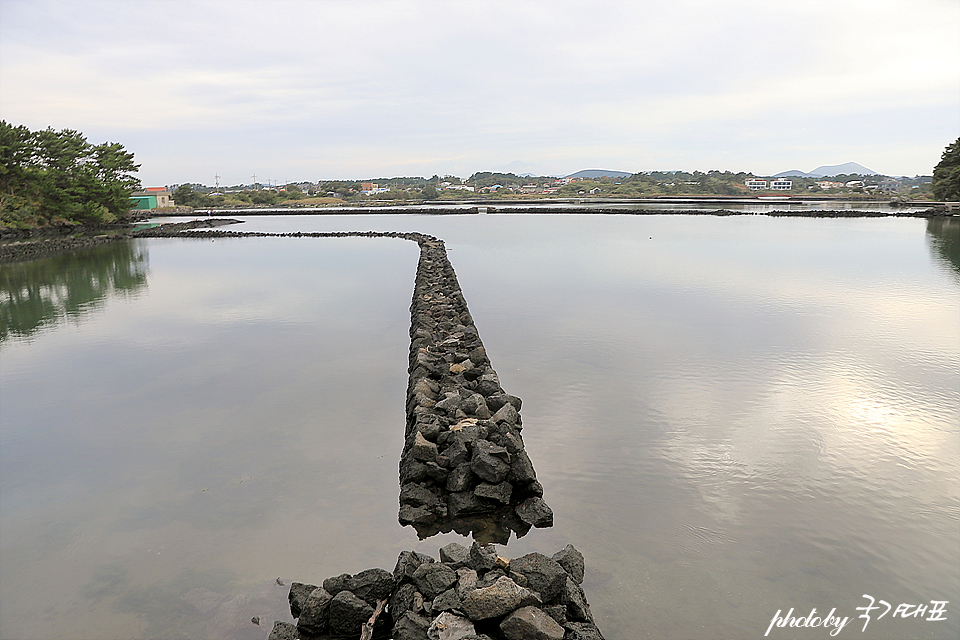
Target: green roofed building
[[151, 198]]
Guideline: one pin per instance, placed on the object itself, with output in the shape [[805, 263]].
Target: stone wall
[[470, 594], [464, 466]]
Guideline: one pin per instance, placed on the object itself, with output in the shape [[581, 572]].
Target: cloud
[[382, 87]]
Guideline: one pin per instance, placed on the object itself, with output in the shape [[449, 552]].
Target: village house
[[758, 184], [889, 184], [370, 188], [151, 198]]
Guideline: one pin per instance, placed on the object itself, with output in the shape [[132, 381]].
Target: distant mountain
[[599, 173], [842, 169], [829, 170]]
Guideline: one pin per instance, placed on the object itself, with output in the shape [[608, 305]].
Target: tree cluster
[[53, 177], [946, 175]]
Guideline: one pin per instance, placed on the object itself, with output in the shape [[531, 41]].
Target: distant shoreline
[[526, 209], [19, 245]]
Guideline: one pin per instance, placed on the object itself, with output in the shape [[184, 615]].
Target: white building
[[781, 184], [755, 184]]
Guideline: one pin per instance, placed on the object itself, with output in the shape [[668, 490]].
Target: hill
[[825, 170], [599, 173], [846, 168]]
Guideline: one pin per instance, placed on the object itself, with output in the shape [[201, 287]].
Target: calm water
[[730, 416]]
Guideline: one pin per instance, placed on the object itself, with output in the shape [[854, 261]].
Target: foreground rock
[[470, 594]]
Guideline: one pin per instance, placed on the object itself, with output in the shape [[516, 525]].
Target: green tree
[[293, 192], [57, 176], [185, 196], [263, 197], [946, 175]]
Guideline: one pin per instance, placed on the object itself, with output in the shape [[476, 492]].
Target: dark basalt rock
[[465, 503], [299, 593], [417, 495], [284, 631], [494, 601], [535, 512], [530, 623], [432, 579], [490, 462], [483, 557], [411, 626], [417, 516], [462, 441], [461, 478], [576, 601], [337, 584], [455, 555], [543, 574], [407, 564], [372, 585], [348, 613], [314, 616], [572, 562], [499, 492], [582, 631], [446, 601], [472, 590]]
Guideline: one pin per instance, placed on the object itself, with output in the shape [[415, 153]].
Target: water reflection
[[943, 234], [731, 416], [487, 528], [41, 293]]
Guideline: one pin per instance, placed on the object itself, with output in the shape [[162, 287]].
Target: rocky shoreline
[[470, 594], [44, 243]]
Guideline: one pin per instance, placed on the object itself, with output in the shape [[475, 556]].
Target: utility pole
[[255, 182], [217, 178]]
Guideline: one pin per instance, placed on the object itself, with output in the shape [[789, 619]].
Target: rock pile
[[470, 594], [463, 466]]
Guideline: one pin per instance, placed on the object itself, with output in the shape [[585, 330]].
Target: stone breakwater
[[464, 466], [45, 243], [470, 594], [35, 249]]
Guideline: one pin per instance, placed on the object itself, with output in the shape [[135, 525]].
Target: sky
[[294, 91]]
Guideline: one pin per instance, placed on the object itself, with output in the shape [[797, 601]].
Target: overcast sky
[[294, 91]]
